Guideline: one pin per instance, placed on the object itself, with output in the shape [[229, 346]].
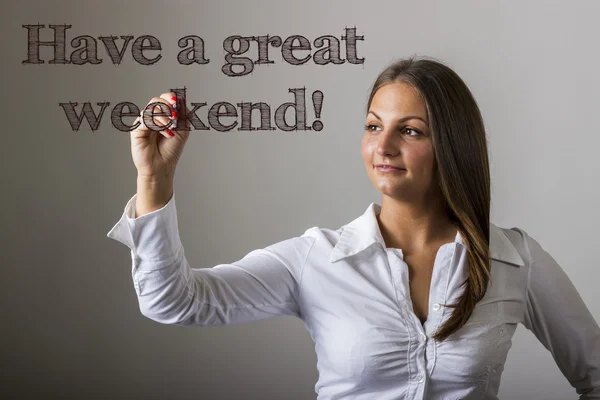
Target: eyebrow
[[403, 118]]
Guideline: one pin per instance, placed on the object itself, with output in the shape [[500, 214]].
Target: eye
[[371, 127], [414, 130]]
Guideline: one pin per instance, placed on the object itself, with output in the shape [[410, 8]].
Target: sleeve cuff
[[152, 237]]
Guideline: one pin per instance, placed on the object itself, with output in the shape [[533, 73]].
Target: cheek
[[420, 158], [366, 149]]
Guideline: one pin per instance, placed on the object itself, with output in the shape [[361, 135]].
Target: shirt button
[[423, 337], [421, 379], [436, 307]]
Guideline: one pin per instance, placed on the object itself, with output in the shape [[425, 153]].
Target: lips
[[388, 166]]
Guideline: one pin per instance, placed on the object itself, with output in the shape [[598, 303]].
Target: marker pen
[[174, 113]]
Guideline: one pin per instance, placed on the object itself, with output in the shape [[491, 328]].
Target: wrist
[[155, 179], [153, 193]]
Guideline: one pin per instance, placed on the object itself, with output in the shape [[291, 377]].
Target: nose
[[387, 146]]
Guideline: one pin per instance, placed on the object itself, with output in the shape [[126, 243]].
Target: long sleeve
[[558, 317], [263, 284]]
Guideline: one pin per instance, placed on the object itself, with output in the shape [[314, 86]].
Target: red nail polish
[[173, 99], [170, 133], [173, 114]]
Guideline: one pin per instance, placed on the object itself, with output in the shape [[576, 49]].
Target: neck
[[415, 225]]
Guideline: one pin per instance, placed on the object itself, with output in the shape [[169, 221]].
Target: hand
[[156, 153]]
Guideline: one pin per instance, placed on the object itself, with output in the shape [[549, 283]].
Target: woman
[[419, 297]]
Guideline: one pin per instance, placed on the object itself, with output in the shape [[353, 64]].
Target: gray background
[[71, 324]]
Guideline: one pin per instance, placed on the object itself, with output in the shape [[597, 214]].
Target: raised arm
[[263, 284], [558, 317]]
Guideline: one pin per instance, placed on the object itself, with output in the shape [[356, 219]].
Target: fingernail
[[170, 133], [174, 100], [173, 114]]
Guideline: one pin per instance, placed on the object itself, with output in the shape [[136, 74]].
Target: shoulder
[[528, 247], [299, 247], [509, 244], [330, 236], [515, 234]]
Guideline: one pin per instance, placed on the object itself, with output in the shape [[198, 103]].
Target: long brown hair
[[460, 147]]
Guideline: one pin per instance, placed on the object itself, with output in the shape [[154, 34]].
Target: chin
[[391, 191]]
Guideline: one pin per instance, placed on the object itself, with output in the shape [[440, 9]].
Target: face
[[397, 133]]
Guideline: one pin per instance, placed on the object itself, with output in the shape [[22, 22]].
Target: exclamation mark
[[317, 98]]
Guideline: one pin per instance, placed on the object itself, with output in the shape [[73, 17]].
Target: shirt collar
[[363, 232]]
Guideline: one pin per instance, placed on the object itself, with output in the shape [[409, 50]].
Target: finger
[[180, 112], [157, 117], [146, 131], [171, 99]]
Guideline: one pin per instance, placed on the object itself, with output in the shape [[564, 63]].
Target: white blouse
[[353, 296]]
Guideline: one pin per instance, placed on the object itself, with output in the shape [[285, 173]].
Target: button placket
[[442, 279], [394, 257], [399, 271]]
